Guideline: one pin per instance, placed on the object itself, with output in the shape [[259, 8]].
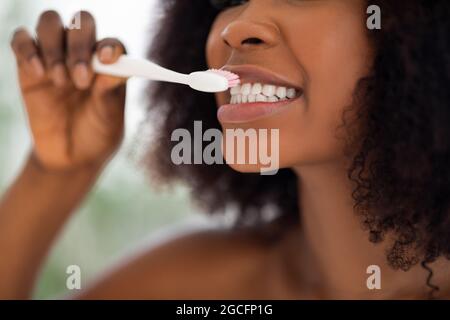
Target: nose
[[250, 32]]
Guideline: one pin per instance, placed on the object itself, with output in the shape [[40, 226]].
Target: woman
[[365, 139]]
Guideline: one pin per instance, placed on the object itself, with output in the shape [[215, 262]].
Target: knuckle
[[52, 53], [22, 47], [78, 51]]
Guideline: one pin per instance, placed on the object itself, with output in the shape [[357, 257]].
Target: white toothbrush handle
[[129, 67]]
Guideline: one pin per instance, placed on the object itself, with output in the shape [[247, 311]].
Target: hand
[[76, 117]]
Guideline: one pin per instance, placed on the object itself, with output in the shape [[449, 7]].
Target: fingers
[[26, 52], [51, 40], [80, 46], [108, 51], [64, 55], [110, 91]]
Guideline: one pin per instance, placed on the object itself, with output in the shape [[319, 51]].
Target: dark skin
[[76, 120]]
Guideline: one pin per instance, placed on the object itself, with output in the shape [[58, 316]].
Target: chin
[[247, 168]]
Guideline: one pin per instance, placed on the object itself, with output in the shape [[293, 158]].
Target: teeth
[[258, 92], [268, 90], [235, 90], [290, 93], [257, 88], [261, 98], [281, 92], [246, 88]]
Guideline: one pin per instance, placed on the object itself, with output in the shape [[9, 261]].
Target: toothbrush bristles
[[233, 79]]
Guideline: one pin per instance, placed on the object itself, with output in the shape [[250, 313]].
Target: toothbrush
[[212, 80]]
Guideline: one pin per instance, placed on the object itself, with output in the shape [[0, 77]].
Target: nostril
[[252, 41]]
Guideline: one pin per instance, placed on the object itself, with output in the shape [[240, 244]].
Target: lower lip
[[246, 112]]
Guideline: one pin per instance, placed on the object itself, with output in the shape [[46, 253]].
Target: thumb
[[108, 51], [109, 91]]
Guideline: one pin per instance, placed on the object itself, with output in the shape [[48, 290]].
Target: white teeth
[[246, 88], [257, 92], [261, 98], [290, 93], [235, 90], [281, 92], [256, 88], [268, 90]]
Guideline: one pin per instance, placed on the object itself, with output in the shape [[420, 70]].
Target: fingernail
[[81, 75], [37, 66], [59, 75], [106, 53]]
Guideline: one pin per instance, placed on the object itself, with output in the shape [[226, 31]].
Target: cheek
[[217, 53], [335, 65], [335, 55]]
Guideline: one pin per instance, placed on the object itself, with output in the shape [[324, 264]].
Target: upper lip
[[252, 73]]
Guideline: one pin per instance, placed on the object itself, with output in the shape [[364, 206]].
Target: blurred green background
[[122, 211]]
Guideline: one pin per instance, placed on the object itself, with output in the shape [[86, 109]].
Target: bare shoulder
[[204, 264]]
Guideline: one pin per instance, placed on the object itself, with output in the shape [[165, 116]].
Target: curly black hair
[[401, 166]]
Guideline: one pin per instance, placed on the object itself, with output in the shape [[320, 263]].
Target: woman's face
[[318, 47]]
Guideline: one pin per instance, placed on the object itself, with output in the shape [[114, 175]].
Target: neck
[[337, 249]]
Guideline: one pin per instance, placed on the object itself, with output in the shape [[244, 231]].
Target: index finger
[[80, 47]]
